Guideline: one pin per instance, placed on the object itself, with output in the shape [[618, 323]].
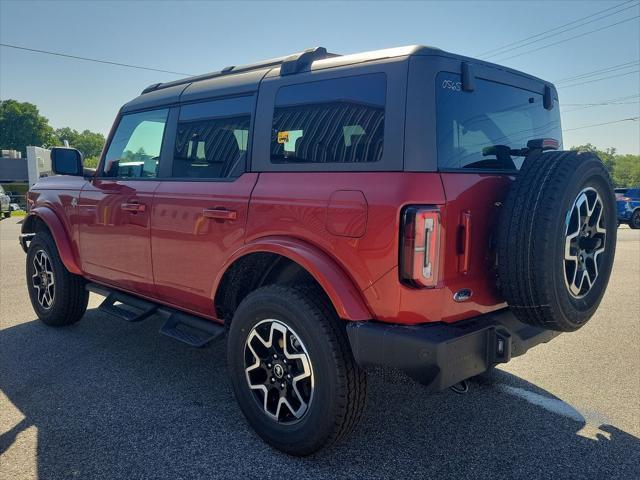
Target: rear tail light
[[420, 247]]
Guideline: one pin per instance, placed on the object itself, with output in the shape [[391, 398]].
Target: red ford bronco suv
[[407, 208]]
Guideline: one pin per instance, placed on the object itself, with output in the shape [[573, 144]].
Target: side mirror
[[66, 161]]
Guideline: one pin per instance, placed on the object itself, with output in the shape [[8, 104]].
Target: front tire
[[635, 220], [57, 296], [288, 343]]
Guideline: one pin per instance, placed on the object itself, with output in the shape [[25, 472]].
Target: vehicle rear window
[[493, 114], [330, 121]]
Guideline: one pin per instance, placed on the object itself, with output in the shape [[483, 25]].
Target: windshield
[[493, 114]]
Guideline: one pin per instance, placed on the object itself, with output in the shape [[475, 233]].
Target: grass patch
[[18, 213]]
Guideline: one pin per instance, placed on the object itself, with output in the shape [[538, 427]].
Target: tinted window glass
[[330, 121], [135, 148], [212, 139], [493, 114]]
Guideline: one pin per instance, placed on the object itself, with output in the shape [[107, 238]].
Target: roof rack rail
[[301, 61], [290, 64]]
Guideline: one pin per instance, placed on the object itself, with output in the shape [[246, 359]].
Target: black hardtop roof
[[246, 78]]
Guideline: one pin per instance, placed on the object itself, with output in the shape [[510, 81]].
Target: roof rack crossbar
[[289, 64]]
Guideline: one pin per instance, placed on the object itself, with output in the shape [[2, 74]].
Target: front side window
[[134, 151], [330, 121], [494, 114], [212, 139]]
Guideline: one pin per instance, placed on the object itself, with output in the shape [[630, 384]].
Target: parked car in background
[[329, 214], [5, 200], [628, 201]]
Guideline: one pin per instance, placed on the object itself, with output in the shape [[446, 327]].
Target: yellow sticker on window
[[283, 137]]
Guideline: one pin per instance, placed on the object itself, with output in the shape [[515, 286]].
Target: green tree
[[607, 156], [626, 171], [89, 143], [21, 124]]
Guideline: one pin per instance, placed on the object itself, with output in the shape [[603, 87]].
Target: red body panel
[[343, 228], [191, 239], [114, 240], [56, 206]]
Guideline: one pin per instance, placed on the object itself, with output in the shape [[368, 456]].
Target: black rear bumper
[[440, 355]]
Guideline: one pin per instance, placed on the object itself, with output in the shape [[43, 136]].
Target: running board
[[137, 310], [189, 329]]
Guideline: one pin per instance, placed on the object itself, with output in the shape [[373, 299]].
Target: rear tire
[[58, 297], [548, 239], [635, 220], [333, 389]]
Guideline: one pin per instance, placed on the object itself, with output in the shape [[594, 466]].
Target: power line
[[637, 102], [502, 50], [599, 79], [491, 52], [630, 119], [602, 102], [569, 38], [86, 59], [613, 68]]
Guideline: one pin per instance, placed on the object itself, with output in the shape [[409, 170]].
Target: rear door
[[200, 211], [115, 207], [478, 133]]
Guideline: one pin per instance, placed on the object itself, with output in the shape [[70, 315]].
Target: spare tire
[[557, 239]]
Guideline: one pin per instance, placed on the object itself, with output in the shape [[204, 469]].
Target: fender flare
[[59, 234], [341, 290]]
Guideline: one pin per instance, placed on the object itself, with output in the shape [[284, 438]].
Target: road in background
[[107, 399]]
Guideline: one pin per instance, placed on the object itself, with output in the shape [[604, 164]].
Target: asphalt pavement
[[107, 399]]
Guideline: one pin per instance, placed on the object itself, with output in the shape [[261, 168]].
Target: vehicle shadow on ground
[[116, 400]]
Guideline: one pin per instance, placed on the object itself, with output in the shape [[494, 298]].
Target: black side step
[[139, 308], [192, 330]]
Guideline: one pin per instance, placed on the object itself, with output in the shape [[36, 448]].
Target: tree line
[[21, 124]]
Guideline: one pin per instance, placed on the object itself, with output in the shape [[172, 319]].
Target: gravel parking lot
[[107, 399]]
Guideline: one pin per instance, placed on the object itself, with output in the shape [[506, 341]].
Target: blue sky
[[198, 37]]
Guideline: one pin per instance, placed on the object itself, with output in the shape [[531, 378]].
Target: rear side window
[[134, 151], [212, 139], [330, 121], [493, 114]]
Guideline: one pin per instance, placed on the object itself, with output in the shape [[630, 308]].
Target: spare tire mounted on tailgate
[[557, 238]]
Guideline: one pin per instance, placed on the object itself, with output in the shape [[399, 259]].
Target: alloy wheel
[[585, 241], [43, 280], [278, 370]]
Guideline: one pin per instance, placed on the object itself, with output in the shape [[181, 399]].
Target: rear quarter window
[[330, 121], [492, 114]]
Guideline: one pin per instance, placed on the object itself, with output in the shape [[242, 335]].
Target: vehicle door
[[199, 214], [115, 207]]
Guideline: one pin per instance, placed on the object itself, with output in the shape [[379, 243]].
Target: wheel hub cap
[[278, 370], [585, 241], [43, 280]]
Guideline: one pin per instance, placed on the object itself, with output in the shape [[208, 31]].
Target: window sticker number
[[451, 85]]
